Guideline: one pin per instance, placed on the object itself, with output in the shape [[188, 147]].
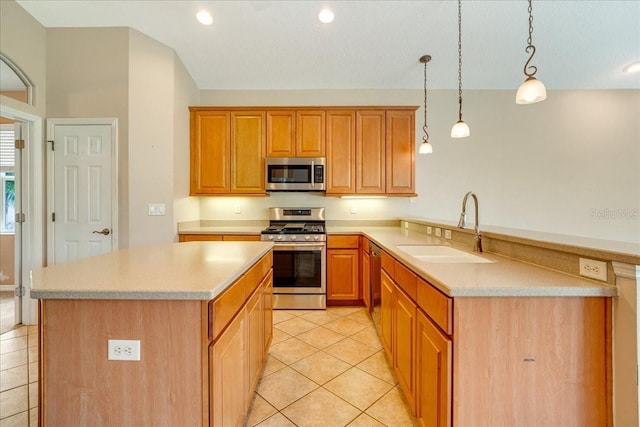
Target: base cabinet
[[433, 374], [404, 344], [386, 313], [343, 269]]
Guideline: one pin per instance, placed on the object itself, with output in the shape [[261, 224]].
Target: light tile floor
[[19, 377], [327, 368]]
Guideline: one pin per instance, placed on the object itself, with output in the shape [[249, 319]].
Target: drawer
[[406, 279], [437, 305], [200, 237], [364, 244], [343, 242], [241, 237], [388, 263]]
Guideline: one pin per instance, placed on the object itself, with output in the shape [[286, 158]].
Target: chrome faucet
[[477, 240]]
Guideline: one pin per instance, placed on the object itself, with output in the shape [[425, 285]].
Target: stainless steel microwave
[[295, 173]]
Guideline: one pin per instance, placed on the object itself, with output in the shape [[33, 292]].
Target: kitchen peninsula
[[202, 317]]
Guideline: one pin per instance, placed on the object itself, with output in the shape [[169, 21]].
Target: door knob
[[104, 231]]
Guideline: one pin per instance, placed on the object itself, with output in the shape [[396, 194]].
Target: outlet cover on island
[[593, 269], [128, 350]]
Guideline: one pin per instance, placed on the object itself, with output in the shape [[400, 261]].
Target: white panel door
[[82, 191]]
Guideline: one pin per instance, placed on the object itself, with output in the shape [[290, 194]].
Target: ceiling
[[265, 45]]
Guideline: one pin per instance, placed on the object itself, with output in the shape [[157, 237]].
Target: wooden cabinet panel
[[370, 152], [400, 148], [345, 241], [341, 152], [403, 338], [342, 275], [255, 346], [227, 367], [365, 279], [267, 307], [386, 314], [437, 305], [200, 237], [240, 238], [247, 152], [210, 152], [433, 374], [310, 133], [388, 263], [406, 279], [281, 133]]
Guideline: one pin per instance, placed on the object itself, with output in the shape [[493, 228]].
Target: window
[[8, 215]]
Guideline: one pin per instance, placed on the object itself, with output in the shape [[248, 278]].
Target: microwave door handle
[[313, 173]]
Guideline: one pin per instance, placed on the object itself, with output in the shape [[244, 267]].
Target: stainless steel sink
[[441, 254]]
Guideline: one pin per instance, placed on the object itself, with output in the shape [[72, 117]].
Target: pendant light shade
[[532, 90], [425, 147], [460, 129]]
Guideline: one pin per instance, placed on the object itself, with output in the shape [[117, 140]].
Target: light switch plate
[[428, 229], [447, 234], [438, 232], [156, 209]]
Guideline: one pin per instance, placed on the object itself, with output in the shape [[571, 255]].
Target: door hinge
[[19, 144], [53, 217], [20, 217], [53, 145], [19, 291]]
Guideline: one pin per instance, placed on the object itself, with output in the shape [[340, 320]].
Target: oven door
[[299, 268]]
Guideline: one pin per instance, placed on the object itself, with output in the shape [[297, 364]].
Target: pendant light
[[460, 129], [532, 90], [425, 147]]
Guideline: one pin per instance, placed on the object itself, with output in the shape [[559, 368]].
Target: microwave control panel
[[319, 174]]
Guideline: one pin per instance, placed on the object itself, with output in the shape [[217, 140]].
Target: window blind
[[7, 148]]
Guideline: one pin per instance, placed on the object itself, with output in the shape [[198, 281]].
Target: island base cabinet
[[79, 386], [531, 362]]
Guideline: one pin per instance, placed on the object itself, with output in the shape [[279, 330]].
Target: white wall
[[544, 167]]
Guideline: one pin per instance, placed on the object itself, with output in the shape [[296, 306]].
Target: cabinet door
[[404, 338], [210, 152], [433, 374], [401, 149], [255, 346], [342, 274], [341, 152], [281, 133], [247, 152], [200, 237], [386, 313], [310, 133], [370, 152], [366, 279], [227, 384], [267, 307]]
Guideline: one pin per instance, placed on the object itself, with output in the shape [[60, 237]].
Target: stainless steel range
[[299, 257]]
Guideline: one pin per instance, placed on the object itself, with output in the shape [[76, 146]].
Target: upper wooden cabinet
[[210, 152], [296, 133], [401, 148], [227, 152], [310, 133], [281, 133], [382, 141], [341, 152]]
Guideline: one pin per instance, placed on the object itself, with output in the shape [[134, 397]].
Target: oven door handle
[[298, 247]]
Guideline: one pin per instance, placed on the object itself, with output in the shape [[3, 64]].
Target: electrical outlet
[[124, 350], [156, 209], [354, 208], [594, 269], [429, 230], [406, 224], [237, 209], [438, 232], [447, 234]]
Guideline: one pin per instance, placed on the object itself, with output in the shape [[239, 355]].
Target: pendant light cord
[[530, 47], [425, 138], [460, 60]]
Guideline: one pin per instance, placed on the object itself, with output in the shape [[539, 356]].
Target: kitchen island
[[202, 316]]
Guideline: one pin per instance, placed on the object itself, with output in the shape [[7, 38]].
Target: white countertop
[[171, 271], [502, 278]]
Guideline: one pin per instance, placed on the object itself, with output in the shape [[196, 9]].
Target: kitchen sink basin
[[441, 254]]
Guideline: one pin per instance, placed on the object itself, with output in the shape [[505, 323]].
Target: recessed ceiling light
[[204, 17], [325, 16], [634, 67]]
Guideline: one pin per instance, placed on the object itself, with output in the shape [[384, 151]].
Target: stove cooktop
[[294, 228]]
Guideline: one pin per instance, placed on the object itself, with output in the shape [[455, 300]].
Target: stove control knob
[[270, 237], [307, 237], [279, 237], [293, 237], [316, 237]]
